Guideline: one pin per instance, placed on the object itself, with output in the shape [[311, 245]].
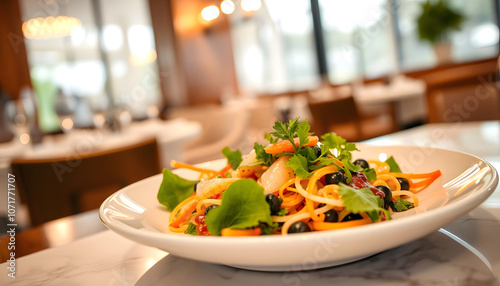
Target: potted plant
[[435, 24]]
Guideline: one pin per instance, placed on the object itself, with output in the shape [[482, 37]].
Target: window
[[478, 38], [131, 55], [78, 71], [358, 39], [274, 47]]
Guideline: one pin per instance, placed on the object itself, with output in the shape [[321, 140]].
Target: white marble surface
[[465, 252]]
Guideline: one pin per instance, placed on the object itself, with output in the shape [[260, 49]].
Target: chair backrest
[[327, 113], [221, 126], [456, 76], [58, 187], [473, 102]]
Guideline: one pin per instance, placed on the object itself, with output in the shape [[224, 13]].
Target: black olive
[[362, 163], [298, 227], [331, 216], [210, 207], [317, 151], [405, 185], [387, 193], [352, 216], [334, 178], [274, 203], [195, 186]]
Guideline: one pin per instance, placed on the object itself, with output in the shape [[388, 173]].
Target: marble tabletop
[[465, 252]]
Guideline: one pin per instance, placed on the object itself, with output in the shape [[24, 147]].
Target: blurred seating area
[[58, 187]]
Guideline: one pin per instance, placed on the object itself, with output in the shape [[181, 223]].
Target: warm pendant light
[[50, 27]]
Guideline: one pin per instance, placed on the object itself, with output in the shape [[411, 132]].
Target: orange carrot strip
[[292, 200], [320, 225], [180, 165], [436, 173], [287, 146], [426, 181], [223, 171], [241, 232], [179, 219]]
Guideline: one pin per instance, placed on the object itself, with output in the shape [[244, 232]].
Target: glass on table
[[19, 119], [99, 105], [65, 108]]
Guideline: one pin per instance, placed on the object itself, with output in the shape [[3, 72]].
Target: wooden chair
[[471, 102], [221, 126], [453, 78], [59, 187], [341, 115]]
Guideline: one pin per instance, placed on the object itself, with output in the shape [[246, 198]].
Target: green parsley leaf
[[342, 147], [322, 162], [370, 174], [394, 167], [303, 132], [283, 130], [300, 166], [401, 205], [282, 212], [270, 138], [292, 129], [362, 200], [191, 229], [243, 206], [342, 151], [174, 189], [260, 154], [234, 158]]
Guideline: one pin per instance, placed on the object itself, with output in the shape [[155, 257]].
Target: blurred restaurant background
[[82, 79]]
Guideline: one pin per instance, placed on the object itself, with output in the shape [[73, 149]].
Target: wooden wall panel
[[14, 73], [196, 57], [171, 75]]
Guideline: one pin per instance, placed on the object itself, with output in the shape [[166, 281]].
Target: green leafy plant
[[437, 20]]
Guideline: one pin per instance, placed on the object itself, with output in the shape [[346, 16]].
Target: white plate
[[466, 181]]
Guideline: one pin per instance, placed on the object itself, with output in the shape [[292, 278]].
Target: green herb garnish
[[174, 189], [401, 205], [291, 130], [362, 200], [262, 157], [243, 206], [191, 229], [234, 158], [394, 167]]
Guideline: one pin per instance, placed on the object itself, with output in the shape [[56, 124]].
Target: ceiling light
[[50, 27], [227, 7], [210, 13]]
